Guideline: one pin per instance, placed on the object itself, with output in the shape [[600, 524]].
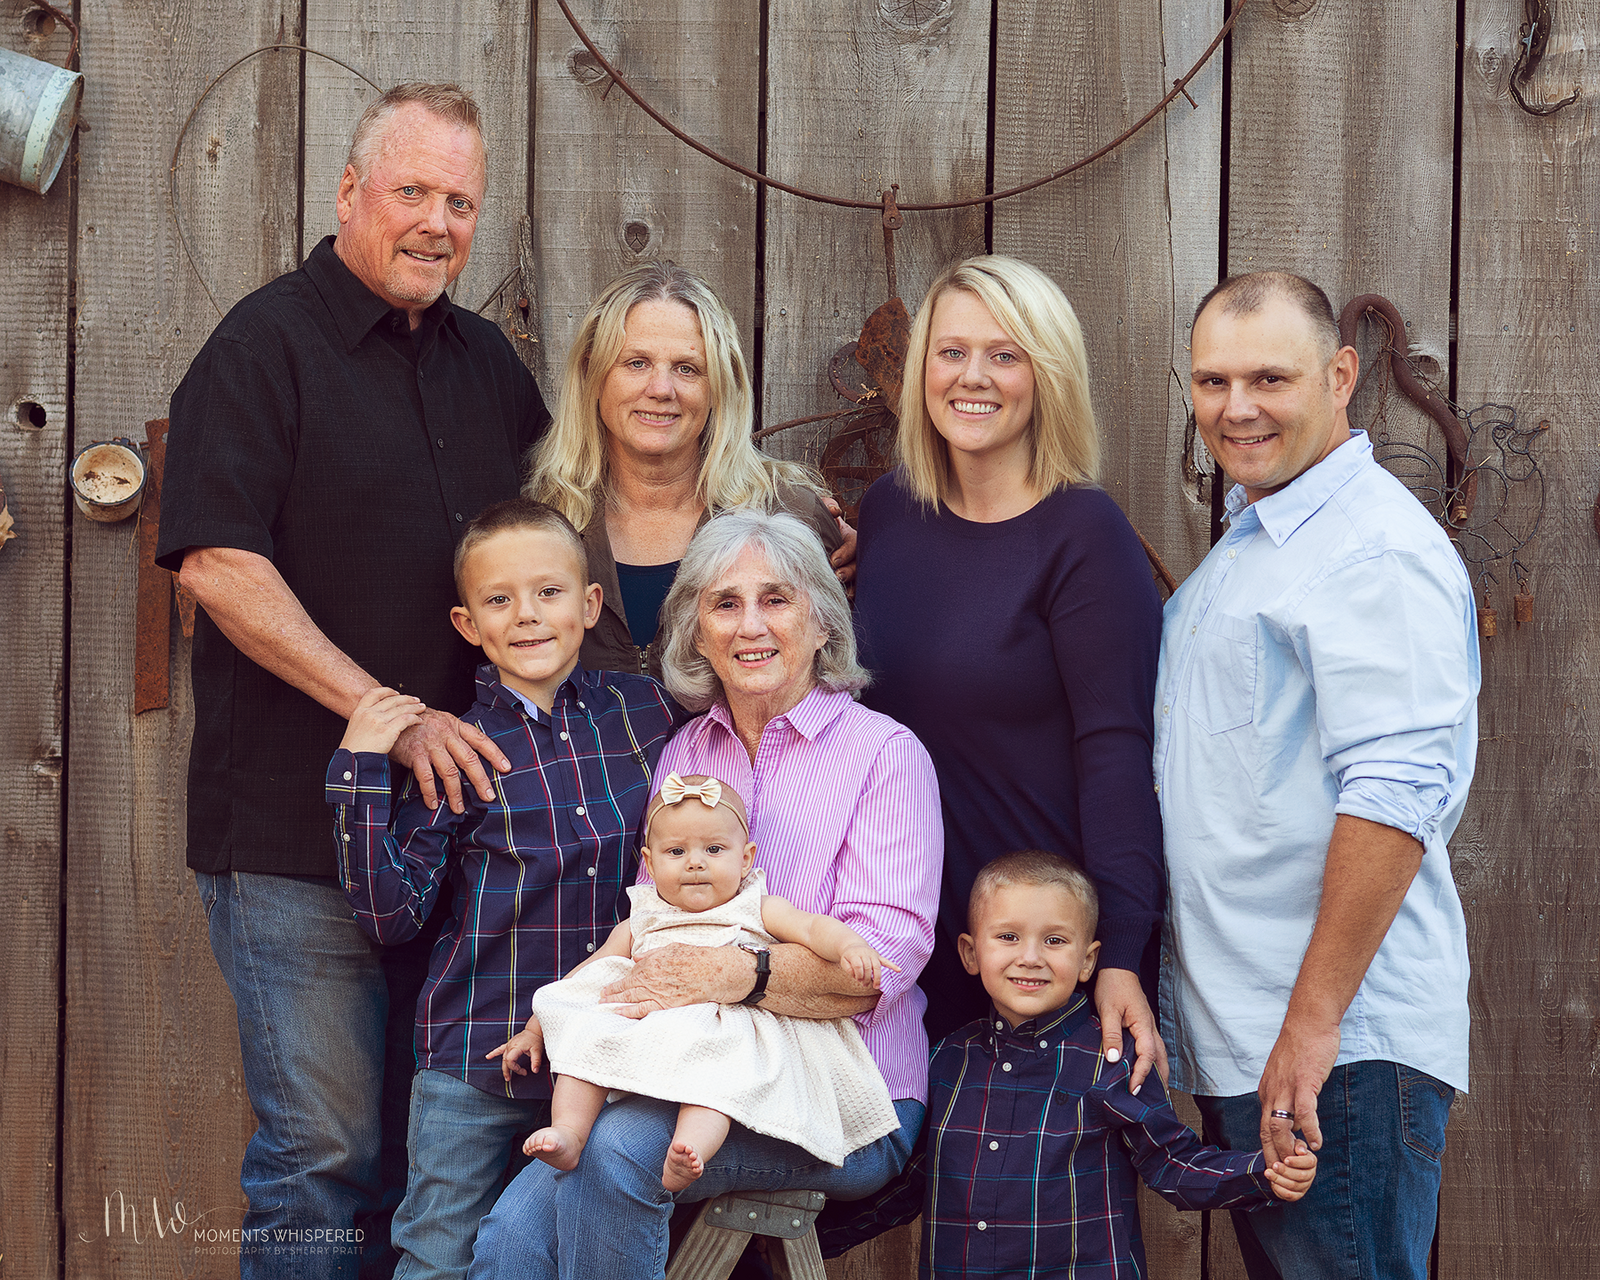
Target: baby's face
[[697, 856]]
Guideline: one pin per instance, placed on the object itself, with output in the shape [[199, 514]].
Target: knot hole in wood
[[585, 68], [637, 235], [29, 415], [1292, 9], [39, 23], [916, 16]]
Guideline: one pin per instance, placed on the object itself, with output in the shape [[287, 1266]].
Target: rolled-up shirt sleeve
[[889, 868], [1394, 689]]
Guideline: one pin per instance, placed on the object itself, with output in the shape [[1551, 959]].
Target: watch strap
[[763, 956]]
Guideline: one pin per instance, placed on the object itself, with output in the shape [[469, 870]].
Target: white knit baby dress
[[802, 1080]]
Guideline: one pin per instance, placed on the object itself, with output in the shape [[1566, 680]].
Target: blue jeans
[[461, 1140], [1370, 1215], [609, 1215], [310, 992]]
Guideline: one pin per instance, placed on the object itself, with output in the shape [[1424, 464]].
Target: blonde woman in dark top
[[652, 437], [1006, 610]]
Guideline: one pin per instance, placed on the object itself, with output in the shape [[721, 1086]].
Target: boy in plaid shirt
[[533, 878], [1034, 1145]]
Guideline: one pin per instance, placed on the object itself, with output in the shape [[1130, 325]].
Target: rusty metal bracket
[[1461, 479], [152, 643], [893, 220], [1534, 37]]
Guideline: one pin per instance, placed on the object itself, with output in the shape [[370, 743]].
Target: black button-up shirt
[[316, 429]]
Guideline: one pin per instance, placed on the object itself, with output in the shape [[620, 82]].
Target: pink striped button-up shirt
[[844, 810]]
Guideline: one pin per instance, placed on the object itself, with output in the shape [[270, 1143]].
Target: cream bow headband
[[708, 791]]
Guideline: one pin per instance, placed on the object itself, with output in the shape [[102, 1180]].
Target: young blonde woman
[[650, 439], [1006, 611]]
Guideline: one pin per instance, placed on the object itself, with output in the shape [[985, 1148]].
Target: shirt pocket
[[1222, 677]]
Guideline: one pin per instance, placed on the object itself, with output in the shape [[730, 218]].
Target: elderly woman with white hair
[[844, 812], [651, 437]]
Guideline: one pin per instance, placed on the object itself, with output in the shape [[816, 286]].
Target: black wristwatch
[[763, 956]]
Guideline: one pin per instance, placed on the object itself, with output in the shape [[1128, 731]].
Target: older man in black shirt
[[327, 445]]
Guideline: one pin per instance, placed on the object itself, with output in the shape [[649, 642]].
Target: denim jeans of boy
[[610, 1214], [1371, 1212], [461, 1140], [312, 1001]]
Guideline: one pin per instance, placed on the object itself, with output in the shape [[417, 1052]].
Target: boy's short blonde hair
[[1034, 867], [511, 515]]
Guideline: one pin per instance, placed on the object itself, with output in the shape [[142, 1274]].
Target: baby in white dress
[[806, 1081]]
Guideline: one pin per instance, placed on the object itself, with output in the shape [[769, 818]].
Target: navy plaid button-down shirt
[[1030, 1162], [537, 873]]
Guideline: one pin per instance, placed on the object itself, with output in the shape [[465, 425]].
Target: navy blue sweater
[[1023, 655]]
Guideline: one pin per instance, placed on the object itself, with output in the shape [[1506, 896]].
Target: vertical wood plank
[[1342, 168], [1133, 238], [481, 45], [1523, 1158], [155, 1113], [33, 453], [862, 94], [611, 187]]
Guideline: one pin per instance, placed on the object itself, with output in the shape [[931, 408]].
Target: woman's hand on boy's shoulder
[[379, 719]]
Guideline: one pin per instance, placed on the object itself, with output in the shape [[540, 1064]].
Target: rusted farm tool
[[1461, 481], [152, 645]]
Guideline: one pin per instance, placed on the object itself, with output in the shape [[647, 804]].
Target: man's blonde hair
[[569, 464], [1027, 304]]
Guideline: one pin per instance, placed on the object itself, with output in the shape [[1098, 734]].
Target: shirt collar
[[492, 693], [1281, 513], [356, 310], [1044, 1032], [808, 717]]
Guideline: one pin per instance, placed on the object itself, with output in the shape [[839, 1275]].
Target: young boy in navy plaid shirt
[[1034, 1145], [536, 875]]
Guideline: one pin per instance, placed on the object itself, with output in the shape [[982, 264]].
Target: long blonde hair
[[569, 465], [1029, 306]]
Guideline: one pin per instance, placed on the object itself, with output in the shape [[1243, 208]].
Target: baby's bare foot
[[683, 1166], [558, 1146]]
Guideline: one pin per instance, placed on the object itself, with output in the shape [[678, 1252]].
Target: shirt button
[[999, 1026], [1192, 630], [348, 775], [994, 1146], [563, 737], [441, 442], [580, 811], [458, 517], [1158, 788], [582, 705], [1005, 1066], [1165, 708], [1044, 1044], [591, 870], [1166, 957], [982, 1225], [590, 947], [1232, 554], [345, 837]]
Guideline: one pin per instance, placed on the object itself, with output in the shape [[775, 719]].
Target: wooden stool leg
[[797, 1259], [707, 1252]]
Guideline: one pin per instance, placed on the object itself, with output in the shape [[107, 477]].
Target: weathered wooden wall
[[1332, 148]]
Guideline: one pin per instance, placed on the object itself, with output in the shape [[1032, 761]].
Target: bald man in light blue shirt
[[1316, 730]]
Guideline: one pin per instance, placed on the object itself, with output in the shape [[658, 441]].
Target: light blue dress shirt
[[1323, 659]]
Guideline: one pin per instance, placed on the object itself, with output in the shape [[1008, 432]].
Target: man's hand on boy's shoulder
[[439, 749]]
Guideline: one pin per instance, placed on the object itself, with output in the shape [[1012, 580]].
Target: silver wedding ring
[[1281, 1115]]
